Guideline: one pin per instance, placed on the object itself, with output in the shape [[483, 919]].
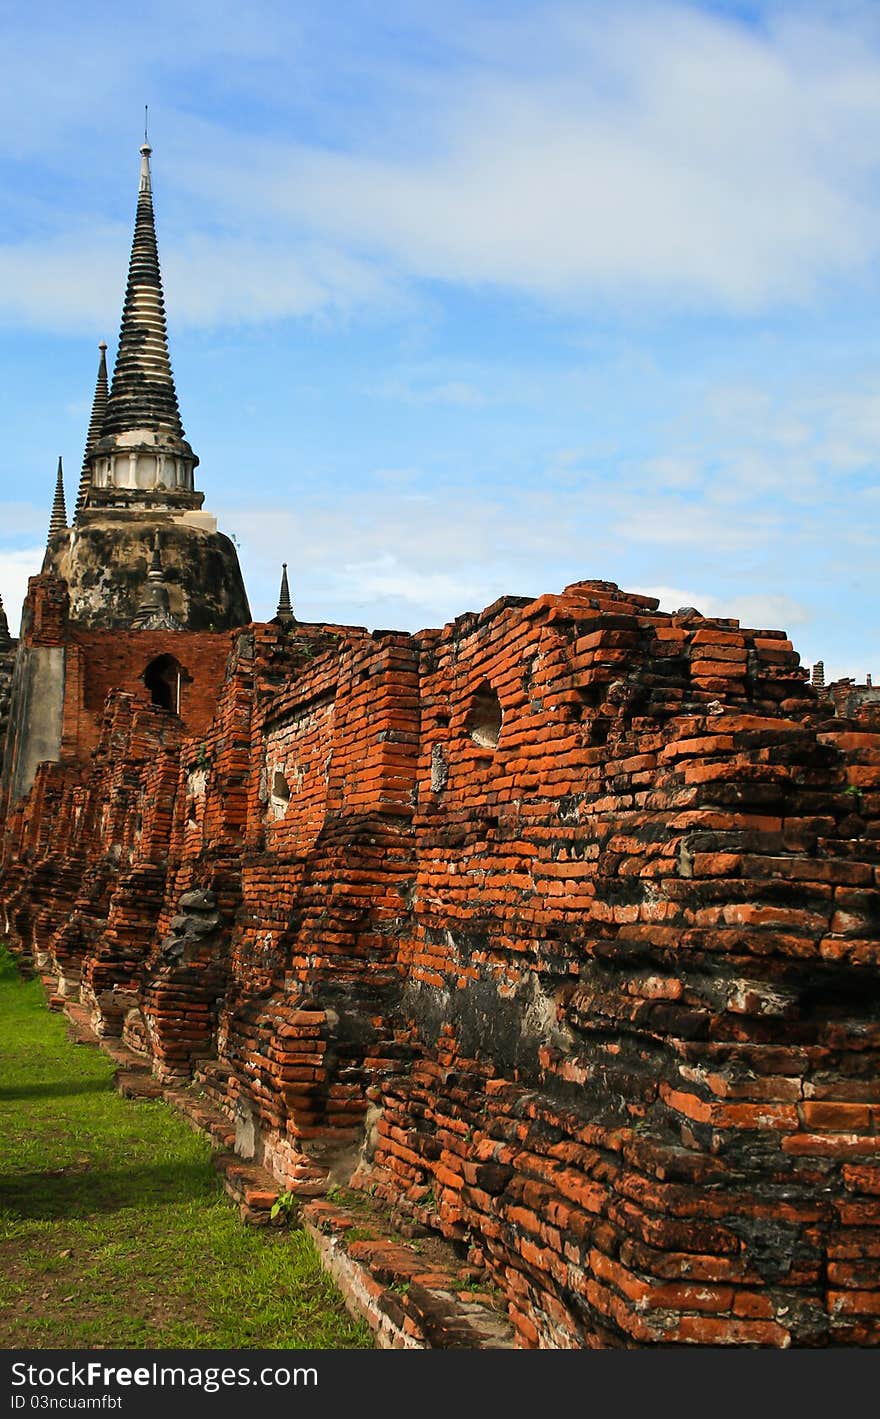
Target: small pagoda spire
[[284, 615], [5, 637], [142, 395], [153, 612], [96, 423], [58, 519], [818, 678]]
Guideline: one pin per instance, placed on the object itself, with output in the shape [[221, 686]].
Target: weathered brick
[[597, 996]]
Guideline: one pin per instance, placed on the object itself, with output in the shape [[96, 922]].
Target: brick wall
[[557, 928], [642, 969], [101, 661], [7, 666]]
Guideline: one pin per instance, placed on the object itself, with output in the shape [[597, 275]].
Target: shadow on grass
[[56, 1088], [77, 1191]]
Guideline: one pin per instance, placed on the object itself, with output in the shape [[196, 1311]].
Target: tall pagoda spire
[[140, 457], [58, 518], [137, 481], [142, 395], [5, 638], [284, 614], [96, 423]]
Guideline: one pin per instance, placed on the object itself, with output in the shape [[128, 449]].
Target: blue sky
[[470, 299]]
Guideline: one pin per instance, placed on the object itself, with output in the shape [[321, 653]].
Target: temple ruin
[[556, 928]]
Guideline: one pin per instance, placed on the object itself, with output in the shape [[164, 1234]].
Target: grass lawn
[[114, 1228]]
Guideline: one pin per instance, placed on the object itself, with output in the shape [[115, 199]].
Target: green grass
[[114, 1228]]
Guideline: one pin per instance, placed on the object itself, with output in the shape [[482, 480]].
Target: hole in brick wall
[[443, 718], [280, 787], [836, 998], [163, 678], [591, 696], [484, 717], [600, 728]]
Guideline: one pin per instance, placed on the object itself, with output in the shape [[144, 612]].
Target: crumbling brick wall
[[80, 850], [557, 928], [643, 974], [101, 661], [305, 1020], [7, 665]]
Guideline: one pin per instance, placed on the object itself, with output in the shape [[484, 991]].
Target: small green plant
[[361, 1234], [429, 1200], [401, 1287], [855, 793], [475, 1287], [285, 1203], [202, 759]]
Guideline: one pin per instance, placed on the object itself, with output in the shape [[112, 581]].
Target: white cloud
[[759, 611], [753, 611], [15, 568], [673, 522], [661, 152], [242, 280], [19, 519], [69, 281], [634, 152], [417, 593], [458, 393], [76, 282]]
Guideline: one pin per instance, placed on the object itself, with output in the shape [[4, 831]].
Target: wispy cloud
[[76, 282], [458, 393], [759, 611], [21, 521], [15, 568], [635, 153], [757, 511]]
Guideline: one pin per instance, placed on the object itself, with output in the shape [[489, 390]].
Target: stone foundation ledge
[[413, 1293]]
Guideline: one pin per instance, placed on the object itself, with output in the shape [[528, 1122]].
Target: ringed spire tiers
[[284, 614], [96, 423], [57, 519], [153, 612], [58, 516], [142, 449]]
